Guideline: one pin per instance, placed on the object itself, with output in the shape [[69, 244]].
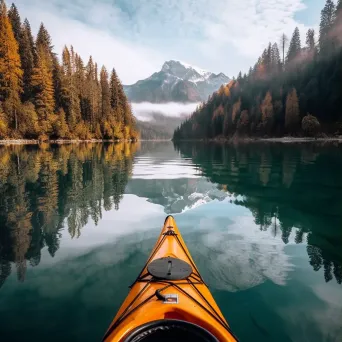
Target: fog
[[143, 110]]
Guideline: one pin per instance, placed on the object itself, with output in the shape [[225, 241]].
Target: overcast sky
[[137, 36]]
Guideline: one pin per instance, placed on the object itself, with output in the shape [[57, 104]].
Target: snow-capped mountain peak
[[186, 71], [202, 72], [176, 82]]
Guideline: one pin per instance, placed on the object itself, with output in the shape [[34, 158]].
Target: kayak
[[169, 300]]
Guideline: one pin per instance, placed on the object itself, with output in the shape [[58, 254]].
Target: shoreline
[[216, 140], [59, 141], [285, 140]]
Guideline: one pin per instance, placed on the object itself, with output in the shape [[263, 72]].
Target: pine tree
[[292, 118], [106, 108], [10, 68], [42, 79], [275, 59], [57, 76], [310, 40], [14, 18], [44, 39], [115, 101], [27, 60], [91, 92], [70, 99], [27, 28], [42, 83], [269, 59], [125, 110], [326, 24], [98, 100], [295, 46]]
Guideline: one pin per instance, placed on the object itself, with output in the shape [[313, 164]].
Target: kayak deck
[[169, 287]]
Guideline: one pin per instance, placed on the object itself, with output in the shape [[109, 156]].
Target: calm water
[[262, 221]]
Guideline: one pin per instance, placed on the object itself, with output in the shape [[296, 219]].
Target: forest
[[45, 190], [297, 93], [44, 96]]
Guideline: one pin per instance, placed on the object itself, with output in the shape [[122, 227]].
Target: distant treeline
[[159, 126], [44, 97], [294, 94]]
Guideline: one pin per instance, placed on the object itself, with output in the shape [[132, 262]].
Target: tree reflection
[[43, 187], [292, 191]]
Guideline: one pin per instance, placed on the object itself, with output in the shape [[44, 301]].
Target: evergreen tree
[[125, 109], [91, 92], [42, 83], [275, 59], [10, 68], [27, 60], [27, 28], [115, 101], [310, 40], [327, 21], [295, 46], [70, 98], [57, 76], [44, 40], [42, 79], [105, 94], [14, 18]]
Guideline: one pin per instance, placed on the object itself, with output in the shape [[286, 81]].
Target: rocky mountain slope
[[176, 82]]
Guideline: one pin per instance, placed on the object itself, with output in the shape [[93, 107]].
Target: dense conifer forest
[[46, 96], [298, 93]]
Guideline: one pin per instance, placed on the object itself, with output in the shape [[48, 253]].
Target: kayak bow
[[169, 299]]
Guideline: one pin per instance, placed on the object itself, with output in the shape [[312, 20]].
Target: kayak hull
[[153, 299]]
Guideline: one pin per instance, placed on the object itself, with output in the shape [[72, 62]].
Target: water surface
[[262, 221]]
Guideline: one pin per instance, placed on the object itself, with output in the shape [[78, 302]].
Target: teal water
[[262, 221]]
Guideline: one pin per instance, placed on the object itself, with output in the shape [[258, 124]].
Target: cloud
[[144, 110], [132, 61], [244, 256], [137, 36]]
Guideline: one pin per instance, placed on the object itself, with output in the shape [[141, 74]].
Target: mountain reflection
[[289, 190], [44, 189]]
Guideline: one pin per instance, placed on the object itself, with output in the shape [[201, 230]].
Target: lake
[[263, 222]]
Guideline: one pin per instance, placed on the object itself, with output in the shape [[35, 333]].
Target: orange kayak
[[169, 300]]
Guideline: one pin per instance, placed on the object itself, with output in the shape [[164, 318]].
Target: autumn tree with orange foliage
[[267, 112], [42, 97], [10, 70], [292, 118]]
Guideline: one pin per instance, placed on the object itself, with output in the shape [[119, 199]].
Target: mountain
[[176, 82]]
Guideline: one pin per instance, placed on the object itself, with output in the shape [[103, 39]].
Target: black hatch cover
[[169, 268]]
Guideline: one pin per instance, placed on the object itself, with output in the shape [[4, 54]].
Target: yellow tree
[[44, 92], [267, 112], [236, 110], [42, 80], [292, 112], [10, 68]]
